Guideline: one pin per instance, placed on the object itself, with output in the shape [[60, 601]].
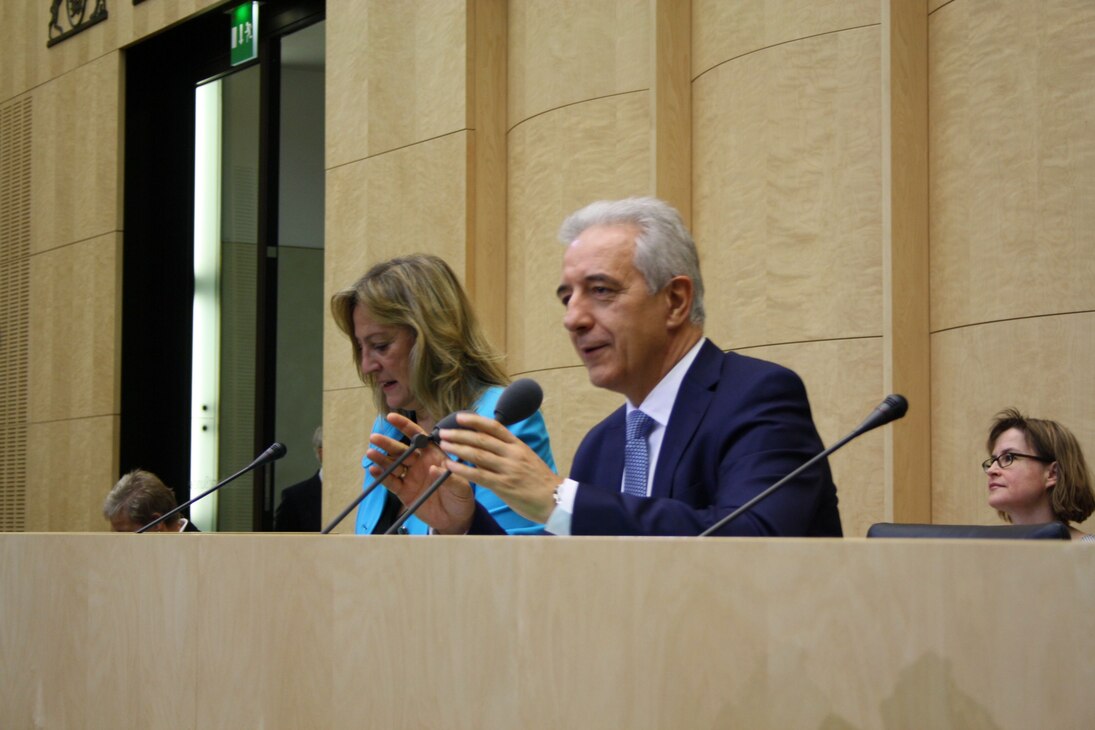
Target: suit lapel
[[693, 399], [610, 469]]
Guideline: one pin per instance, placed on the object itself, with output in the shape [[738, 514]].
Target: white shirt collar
[[658, 404]]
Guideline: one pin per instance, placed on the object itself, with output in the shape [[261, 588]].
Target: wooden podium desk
[[308, 631]]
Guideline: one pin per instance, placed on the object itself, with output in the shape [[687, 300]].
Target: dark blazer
[[301, 508], [738, 426]]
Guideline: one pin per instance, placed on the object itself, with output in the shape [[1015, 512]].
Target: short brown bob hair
[[1071, 499]]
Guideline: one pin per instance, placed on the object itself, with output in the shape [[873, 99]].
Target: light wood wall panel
[[396, 75], [75, 328], [23, 28], [726, 30], [76, 158], [559, 162], [1012, 159], [71, 465], [73, 383], [408, 201], [565, 52], [1041, 365], [787, 191], [843, 381]]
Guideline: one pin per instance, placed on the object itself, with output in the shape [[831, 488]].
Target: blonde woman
[[417, 344]]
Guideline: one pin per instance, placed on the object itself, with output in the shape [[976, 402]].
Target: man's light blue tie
[[636, 453]]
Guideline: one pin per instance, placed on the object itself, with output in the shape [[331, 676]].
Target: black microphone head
[[891, 409], [895, 406], [273, 453], [518, 401]]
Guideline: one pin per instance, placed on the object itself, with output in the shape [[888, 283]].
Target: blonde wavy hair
[[451, 361]]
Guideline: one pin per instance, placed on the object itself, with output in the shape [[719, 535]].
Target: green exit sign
[[245, 32]]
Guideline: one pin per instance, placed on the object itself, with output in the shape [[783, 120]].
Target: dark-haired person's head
[[1037, 472], [138, 498]]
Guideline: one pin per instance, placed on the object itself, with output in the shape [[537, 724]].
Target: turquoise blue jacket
[[532, 431]]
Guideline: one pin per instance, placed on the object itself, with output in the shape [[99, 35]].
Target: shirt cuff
[[558, 523]]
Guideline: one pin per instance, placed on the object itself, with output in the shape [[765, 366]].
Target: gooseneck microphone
[[518, 401], [273, 453], [890, 409]]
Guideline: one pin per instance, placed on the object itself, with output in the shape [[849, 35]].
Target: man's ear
[[678, 297]]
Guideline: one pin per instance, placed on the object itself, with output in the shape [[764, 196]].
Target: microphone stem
[[728, 518], [186, 504], [418, 503]]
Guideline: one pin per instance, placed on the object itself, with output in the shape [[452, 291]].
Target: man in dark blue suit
[[702, 431]]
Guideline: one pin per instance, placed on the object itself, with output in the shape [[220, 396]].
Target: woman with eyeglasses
[[1037, 473]]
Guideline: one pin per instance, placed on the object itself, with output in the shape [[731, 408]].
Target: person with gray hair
[[702, 432], [138, 498], [663, 246]]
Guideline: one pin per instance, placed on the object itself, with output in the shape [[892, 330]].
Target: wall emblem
[[76, 13]]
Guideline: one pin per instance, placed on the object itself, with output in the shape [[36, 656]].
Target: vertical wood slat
[[906, 291], [671, 103], [485, 273]]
